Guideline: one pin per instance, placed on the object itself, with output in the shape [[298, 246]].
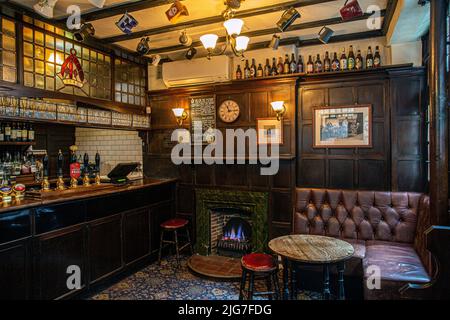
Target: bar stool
[[174, 225], [262, 266]]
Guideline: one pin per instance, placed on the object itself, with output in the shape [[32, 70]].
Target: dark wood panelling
[[105, 249], [15, 270], [254, 99], [136, 234], [397, 133]]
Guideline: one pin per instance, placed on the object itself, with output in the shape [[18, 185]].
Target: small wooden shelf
[[16, 143]]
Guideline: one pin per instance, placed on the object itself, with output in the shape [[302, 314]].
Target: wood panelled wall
[[254, 99], [395, 162], [397, 159]]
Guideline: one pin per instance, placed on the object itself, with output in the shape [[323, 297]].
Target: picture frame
[[269, 130], [348, 126]]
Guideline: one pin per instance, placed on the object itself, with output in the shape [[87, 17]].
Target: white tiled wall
[[114, 146]]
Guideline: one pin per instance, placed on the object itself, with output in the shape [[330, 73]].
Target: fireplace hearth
[[236, 238], [231, 223]]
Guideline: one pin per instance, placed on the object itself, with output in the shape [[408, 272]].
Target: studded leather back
[[363, 215]]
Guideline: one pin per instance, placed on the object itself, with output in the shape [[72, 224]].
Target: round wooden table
[[312, 250]]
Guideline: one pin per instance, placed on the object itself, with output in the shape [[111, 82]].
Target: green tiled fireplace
[[255, 202]]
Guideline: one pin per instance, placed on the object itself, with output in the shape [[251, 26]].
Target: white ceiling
[[198, 9]]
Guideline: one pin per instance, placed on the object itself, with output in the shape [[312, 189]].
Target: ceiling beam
[[390, 9], [258, 33], [121, 8], [214, 19]]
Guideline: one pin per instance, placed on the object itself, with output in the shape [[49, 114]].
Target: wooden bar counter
[[102, 231]]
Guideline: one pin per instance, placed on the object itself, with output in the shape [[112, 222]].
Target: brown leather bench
[[385, 228]]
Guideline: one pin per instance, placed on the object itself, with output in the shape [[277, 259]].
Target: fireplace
[[231, 231], [231, 223]]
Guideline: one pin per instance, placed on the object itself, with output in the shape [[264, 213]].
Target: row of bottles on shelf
[[16, 132], [329, 64], [16, 163]]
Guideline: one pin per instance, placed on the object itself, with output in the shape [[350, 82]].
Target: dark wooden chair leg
[[243, 282], [251, 287], [177, 252], [161, 243], [293, 281], [189, 240]]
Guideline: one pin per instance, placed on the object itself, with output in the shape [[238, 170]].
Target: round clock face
[[229, 111]]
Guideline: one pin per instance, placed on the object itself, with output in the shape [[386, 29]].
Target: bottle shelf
[[17, 143]]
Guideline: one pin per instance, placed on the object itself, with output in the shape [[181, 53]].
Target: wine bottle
[[2, 133], [259, 71], [30, 133], [310, 65], [246, 70], [293, 65], [253, 69], [369, 59], [239, 73], [318, 65], [267, 68], [19, 133], [343, 61], [327, 63], [274, 70], [300, 66], [359, 61], [25, 132], [280, 66], [286, 65], [7, 132], [335, 64], [351, 59], [377, 58]]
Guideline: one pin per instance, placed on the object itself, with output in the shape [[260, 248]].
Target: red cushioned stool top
[[258, 262], [174, 223]]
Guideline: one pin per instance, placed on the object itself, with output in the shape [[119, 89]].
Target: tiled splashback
[[114, 146]]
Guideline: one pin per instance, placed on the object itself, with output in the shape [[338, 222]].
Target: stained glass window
[[129, 82], [45, 49], [8, 64]]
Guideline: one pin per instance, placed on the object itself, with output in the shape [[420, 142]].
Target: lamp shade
[[209, 41], [178, 112], [277, 105], [242, 43], [233, 26]]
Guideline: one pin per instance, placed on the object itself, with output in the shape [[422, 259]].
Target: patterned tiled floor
[[166, 282]]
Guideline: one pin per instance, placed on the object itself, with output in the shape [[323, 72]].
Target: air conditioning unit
[[197, 71]]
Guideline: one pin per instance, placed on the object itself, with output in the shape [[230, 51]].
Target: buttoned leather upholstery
[[382, 227]]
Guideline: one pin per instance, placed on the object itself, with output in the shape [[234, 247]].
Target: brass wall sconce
[[279, 108], [180, 114]]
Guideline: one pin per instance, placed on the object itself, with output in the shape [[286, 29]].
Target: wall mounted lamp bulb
[[180, 115], [279, 108]]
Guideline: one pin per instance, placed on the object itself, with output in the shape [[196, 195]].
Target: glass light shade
[[242, 43], [209, 41], [233, 26], [277, 106], [178, 112]]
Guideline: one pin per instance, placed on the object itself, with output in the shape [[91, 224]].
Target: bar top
[[53, 197]]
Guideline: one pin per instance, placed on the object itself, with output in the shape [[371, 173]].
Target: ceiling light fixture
[[143, 46], [45, 8], [233, 28], [185, 39], [86, 30]]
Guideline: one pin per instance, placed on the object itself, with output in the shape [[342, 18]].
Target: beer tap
[[74, 168], [86, 180], [97, 169], [45, 183], [60, 182]]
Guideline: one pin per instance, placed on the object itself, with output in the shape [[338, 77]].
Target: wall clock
[[229, 111]]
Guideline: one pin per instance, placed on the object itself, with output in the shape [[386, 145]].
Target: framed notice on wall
[[203, 113], [343, 127]]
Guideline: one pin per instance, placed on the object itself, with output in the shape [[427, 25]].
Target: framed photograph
[[343, 127], [270, 131]]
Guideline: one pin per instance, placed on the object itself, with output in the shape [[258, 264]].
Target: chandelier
[[233, 27]]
